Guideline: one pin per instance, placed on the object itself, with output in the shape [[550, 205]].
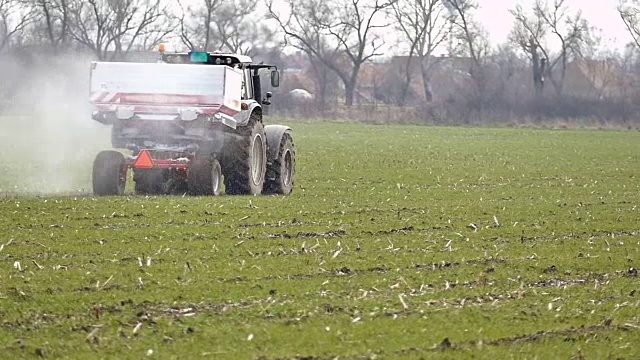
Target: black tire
[[245, 160], [282, 170], [204, 177], [148, 181], [109, 175]]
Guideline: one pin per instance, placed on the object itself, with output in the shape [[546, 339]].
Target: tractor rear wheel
[[205, 177], [281, 171], [245, 162], [109, 173]]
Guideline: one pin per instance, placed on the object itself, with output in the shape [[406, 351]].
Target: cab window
[[247, 90]]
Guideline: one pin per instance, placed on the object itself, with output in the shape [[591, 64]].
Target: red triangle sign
[[143, 160]]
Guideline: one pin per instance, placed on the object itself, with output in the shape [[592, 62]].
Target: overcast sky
[[495, 18], [494, 15]]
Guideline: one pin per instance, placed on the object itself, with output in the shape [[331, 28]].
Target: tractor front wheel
[[109, 173], [205, 177], [281, 171]]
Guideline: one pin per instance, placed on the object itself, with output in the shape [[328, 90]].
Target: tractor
[[192, 121]]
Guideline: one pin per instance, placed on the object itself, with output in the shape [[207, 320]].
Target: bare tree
[[627, 81], [629, 11], [237, 30], [570, 30], [423, 24], [51, 23], [226, 26], [309, 39], [183, 27], [112, 28], [326, 82], [92, 24], [473, 42], [195, 23], [233, 28], [527, 34], [340, 33], [14, 18]]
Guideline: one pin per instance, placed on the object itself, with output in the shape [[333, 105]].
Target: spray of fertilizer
[[47, 138]]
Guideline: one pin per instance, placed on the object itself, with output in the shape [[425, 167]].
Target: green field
[[398, 242]]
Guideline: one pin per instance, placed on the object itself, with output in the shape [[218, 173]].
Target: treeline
[[554, 65]]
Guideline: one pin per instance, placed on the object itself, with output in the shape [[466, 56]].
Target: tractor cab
[[251, 88]]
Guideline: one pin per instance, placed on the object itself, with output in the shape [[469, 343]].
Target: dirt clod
[[445, 344]]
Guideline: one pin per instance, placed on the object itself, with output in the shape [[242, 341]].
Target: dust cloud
[[47, 138]]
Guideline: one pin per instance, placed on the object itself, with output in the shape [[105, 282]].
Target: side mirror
[[267, 98], [275, 78]]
